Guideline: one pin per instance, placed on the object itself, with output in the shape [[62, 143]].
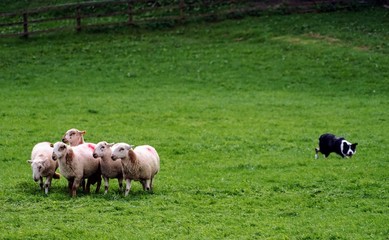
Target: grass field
[[234, 109]]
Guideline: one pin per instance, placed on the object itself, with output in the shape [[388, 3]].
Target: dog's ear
[[354, 146]]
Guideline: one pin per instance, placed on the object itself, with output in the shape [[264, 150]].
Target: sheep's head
[[120, 150], [38, 166], [102, 148], [74, 137], [59, 150]]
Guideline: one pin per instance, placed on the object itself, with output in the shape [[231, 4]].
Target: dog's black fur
[[329, 143]]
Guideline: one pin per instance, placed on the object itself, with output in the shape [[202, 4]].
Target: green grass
[[234, 109]]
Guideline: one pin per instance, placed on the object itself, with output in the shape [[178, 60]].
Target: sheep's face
[[74, 137], [101, 149], [37, 169], [59, 150], [120, 151]]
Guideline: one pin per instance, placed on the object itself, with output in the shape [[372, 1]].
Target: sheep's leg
[[98, 184], [76, 184], [47, 184], [83, 185], [147, 185], [106, 184], [128, 187], [120, 180], [41, 183], [151, 184], [87, 189], [70, 186], [143, 182]]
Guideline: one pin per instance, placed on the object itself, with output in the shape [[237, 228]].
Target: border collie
[[329, 143]]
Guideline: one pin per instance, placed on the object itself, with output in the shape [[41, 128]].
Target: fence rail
[[84, 15]]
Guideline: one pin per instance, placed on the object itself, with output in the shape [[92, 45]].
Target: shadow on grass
[[25, 190]]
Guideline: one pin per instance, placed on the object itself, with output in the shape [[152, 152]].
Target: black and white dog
[[328, 143]]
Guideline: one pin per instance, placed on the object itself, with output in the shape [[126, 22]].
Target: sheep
[[42, 165], [75, 137], [77, 163], [139, 164], [109, 168]]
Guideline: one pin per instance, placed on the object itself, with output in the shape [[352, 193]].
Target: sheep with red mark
[[109, 168], [77, 163], [140, 164], [42, 165], [75, 137]]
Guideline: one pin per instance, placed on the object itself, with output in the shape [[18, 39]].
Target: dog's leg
[[317, 150]]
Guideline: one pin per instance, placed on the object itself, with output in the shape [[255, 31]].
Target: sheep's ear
[[82, 132], [51, 145], [29, 161], [46, 164], [132, 155], [110, 144], [69, 155]]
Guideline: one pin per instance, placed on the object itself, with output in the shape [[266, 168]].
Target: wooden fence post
[[182, 10], [25, 25], [129, 10], [78, 18]]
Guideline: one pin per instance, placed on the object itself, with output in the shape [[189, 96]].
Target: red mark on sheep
[[91, 146], [152, 150]]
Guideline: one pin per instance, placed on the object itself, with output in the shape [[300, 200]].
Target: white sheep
[[139, 164], [75, 137], [77, 163], [109, 168], [42, 165]]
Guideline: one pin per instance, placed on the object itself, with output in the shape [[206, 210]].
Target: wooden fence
[[85, 15]]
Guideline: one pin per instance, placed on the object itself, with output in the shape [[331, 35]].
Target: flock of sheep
[[79, 161]]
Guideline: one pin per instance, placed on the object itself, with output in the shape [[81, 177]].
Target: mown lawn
[[234, 109]]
